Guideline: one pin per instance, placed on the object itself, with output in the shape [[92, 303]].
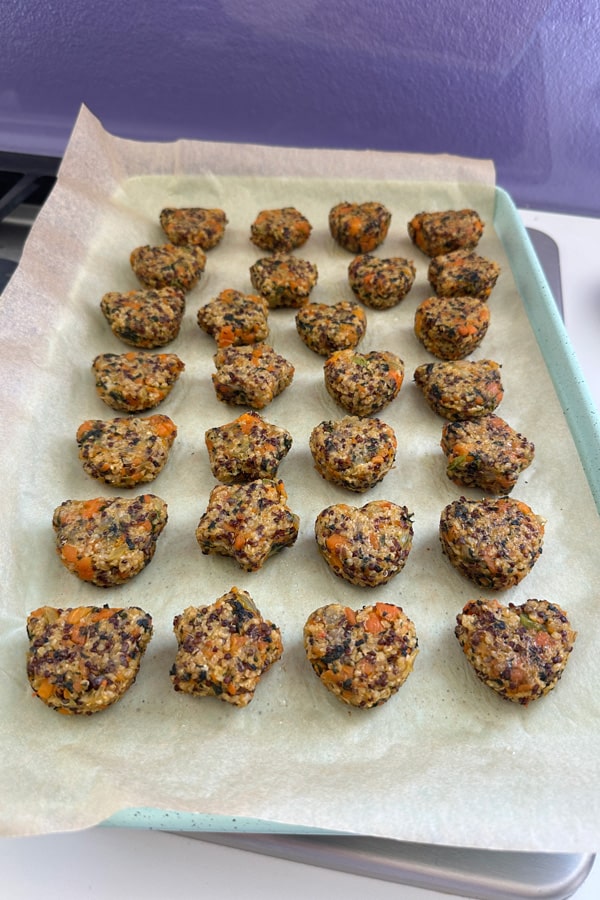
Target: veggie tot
[[363, 658], [224, 648], [83, 659]]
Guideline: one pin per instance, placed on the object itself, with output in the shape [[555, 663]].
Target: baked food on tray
[[354, 452], [359, 227], [108, 540], [279, 230], [495, 542], [83, 659], [168, 265], [135, 381], [363, 383], [246, 449], [380, 283], [463, 274], [485, 453], [518, 651], [437, 233], [125, 451], [284, 280], [249, 522], [193, 225], [362, 657], [234, 319], [451, 327], [145, 318], [224, 648], [461, 389], [251, 375], [365, 545]]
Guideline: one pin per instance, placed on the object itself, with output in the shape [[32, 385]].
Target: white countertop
[[115, 863]]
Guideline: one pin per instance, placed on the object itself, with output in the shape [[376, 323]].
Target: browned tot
[[224, 649], [127, 450], [194, 226], [133, 382], [359, 227], [494, 542], [363, 657], [436, 233], [168, 265], [249, 522], [83, 659], [518, 651], [108, 540]]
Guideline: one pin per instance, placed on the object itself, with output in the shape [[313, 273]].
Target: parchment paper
[[445, 760]]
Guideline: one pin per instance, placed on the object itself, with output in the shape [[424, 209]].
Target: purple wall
[[518, 82]]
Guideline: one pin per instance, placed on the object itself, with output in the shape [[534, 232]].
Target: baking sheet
[[445, 761]]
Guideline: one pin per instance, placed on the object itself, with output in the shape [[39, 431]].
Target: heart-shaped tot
[[363, 383], [363, 657], [325, 327], [368, 545], [495, 541], [518, 651], [108, 540]]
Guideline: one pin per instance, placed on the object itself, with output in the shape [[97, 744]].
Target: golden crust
[[359, 227], [363, 383]]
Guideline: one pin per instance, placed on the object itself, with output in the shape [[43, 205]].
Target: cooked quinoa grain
[[461, 389], [134, 382], [463, 274], [381, 283], [359, 227], [224, 649], [437, 233], [168, 265], [519, 651], [282, 229], [363, 383], [494, 542], [451, 327], [108, 540], [235, 319], [366, 546], [194, 226], [354, 453], [125, 451], [150, 318], [363, 657], [485, 453], [248, 522], [83, 659], [284, 280], [326, 328], [251, 375], [246, 449]]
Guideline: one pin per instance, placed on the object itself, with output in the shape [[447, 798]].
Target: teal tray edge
[[551, 335]]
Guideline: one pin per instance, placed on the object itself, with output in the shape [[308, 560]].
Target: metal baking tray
[[462, 871], [481, 874]]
